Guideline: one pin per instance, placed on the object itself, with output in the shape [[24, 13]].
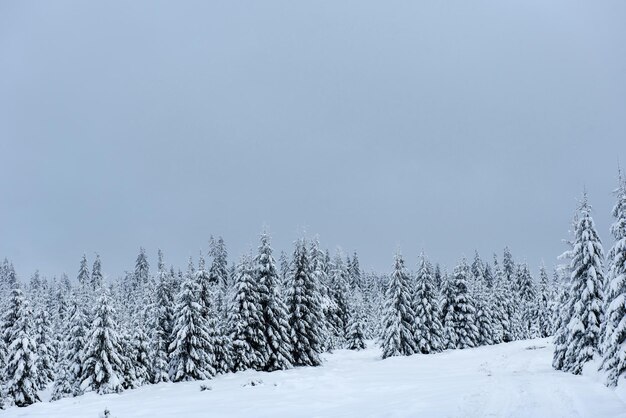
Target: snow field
[[505, 380]]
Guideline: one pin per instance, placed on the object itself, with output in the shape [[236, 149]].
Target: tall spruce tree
[[142, 270], [163, 321], [83, 273], [586, 294], [614, 360], [544, 299], [76, 337], [398, 337], [246, 320], [96, 274], [191, 354], [274, 311], [428, 328], [21, 369], [356, 326], [304, 306], [460, 316], [102, 354], [45, 348]]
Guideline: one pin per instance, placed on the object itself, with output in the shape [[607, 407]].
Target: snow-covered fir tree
[[63, 382], [460, 313], [162, 312], [208, 290], [428, 328], [218, 271], [339, 293], [76, 338], [273, 309], [586, 293], [141, 276], [304, 305], [96, 274], [356, 328], [544, 300], [21, 357], [398, 337], [484, 318], [246, 320], [45, 348], [527, 295], [83, 273], [191, 356], [102, 370], [614, 361], [354, 272]]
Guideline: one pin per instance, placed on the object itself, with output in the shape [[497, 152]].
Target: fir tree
[[163, 320], [274, 312], [102, 355], [399, 319], [356, 331], [614, 360], [96, 274], [460, 317], [354, 271], [484, 317], [45, 349], [189, 357], [527, 296], [304, 310], [21, 384], [76, 339], [339, 292], [218, 272], [63, 385], [543, 304], [140, 354], [142, 270], [428, 328], [208, 311], [246, 320], [83, 273], [586, 295]]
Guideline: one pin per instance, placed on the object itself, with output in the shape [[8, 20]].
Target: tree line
[[259, 313]]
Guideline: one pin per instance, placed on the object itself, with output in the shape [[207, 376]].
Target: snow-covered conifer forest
[[223, 316]]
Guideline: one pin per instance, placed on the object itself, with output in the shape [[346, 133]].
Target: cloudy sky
[[443, 126]]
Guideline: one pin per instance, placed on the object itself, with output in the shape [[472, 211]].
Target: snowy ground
[[507, 380]]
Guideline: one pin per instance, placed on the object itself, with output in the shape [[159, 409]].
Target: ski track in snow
[[505, 380]]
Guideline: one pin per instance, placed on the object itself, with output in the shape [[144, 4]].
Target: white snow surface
[[505, 380]]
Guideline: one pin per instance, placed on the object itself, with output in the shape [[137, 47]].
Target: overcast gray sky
[[443, 125]]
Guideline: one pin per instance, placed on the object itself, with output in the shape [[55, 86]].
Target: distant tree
[[399, 318], [21, 382], [304, 307], [544, 300], [274, 311], [83, 272], [96, 274], [246, 320], [142, 270], [428, 328], [76, 339], [102, 355], [190, 355], [45, 348], [163, 320], [356, 328], [218, 272], [460, 316]]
